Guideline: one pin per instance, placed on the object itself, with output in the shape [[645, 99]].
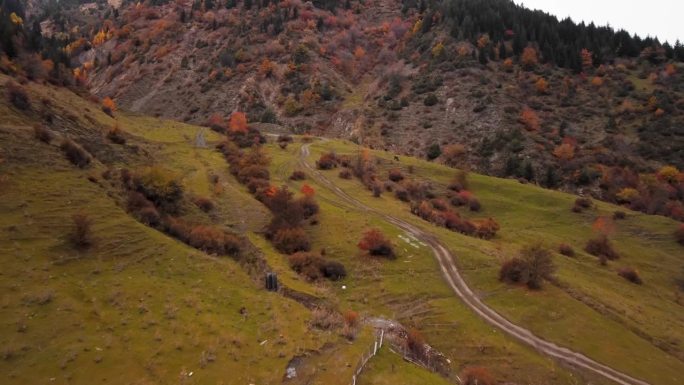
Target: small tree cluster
[[532, 267], [313, 266], [327, 161], [161, 186], [376, 244], [445, 217], [582, 204]]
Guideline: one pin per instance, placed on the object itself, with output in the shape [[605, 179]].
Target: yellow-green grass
[[638, 329], [388, 368], [139, 306], [409, 289]]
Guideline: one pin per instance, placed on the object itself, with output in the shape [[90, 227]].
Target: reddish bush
[[327, 161], [601, 247], [75, 153], [345, 174], [204, 204], [376, 244], [416, 344], [42, 133], [82, 235], [401, 194], [439, 204], [679, 234], [211, 239], [581, 204], [298, 175], [566, 250], [476, 375], [486, 228], [630, 274], [395, 175], [291, 240], [351, 318], [462, 198], [514, 270]]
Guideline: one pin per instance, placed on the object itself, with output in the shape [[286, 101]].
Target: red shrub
[[439, 204], [345, 174], [291, 240], [630, 274], [376, 244], [351, 318], [476, 375], [486, 228]]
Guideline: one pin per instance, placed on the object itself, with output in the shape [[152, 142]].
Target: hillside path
[[463, 291]]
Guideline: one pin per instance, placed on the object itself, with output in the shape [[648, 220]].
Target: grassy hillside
[[637, 328]]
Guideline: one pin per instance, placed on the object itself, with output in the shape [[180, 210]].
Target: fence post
[[382, 334]]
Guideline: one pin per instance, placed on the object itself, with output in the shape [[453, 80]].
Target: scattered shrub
[[630, 274], [82, 235], [476, 375], [679, 234], [116, 135], [204, 204], [431, 100], [333, 270], [325, 319], [395, 175], [211, 239], [532, 267], [401, 194], [75, 153], [475, 205], [17, 95], [619, 215], [376, 244], [486, 228], [42, 133], [345, 174], [308, 205], [566, 250], [291, 240], [160, 186], [581, 204], [298, 175], [313, 266], [327, 161], [601, 247]]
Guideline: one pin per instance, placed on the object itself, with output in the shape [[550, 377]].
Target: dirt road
[[458, 284]]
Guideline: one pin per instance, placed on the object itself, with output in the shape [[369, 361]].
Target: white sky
[[663, 19]]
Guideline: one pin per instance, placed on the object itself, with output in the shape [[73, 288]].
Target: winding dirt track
[[455, 280]]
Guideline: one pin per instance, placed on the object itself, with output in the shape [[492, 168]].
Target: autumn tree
[[529, 58], [564, 152], [530, 119], [108, 106], [542, 85], [238, 122]]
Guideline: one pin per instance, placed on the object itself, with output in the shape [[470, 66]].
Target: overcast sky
[[663, 19]]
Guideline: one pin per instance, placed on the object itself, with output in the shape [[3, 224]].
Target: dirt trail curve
[[458, 284]]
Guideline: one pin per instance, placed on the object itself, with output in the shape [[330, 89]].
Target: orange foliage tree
[[530, 119], [108, 105], [308, 191], [565, 151], [375, 243], [542, 85], [238, 122], [529, 58]]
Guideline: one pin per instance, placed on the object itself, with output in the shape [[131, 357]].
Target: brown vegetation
[[75, 153], [82, 236], [376, 244], [630, 274]]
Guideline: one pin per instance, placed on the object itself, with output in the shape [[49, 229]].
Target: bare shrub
[[325, 319], [327, 161], [630, 274], [17, 96], [116, 135], [345, 174], [395, 175], [582, 204], [75, 153], [42, 133], [514, 270], [82, 235], [601, 247], [401, 194], [205, 204], [679, 234], [619, 215], [566, 250], [416, 344], [532, 267]]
